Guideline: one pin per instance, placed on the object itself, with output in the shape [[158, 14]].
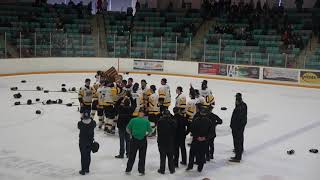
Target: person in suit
[[86, 138], [237, 125], [166, 140]]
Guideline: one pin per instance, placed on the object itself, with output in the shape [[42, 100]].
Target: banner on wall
[[278, 74], [212, 69], [243, 71], [148, 65], [310, 77]]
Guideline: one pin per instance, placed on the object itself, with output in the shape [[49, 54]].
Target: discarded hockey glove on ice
[[17, 96], [314, 151], [290, 152], [223, 108]]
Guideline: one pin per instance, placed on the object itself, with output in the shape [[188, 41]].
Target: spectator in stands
[[137, 5], [59, 24], [79, 9], [258, 6], [105, 5], [299, 4], [265, 7], [99, 6], [89, 7], [71, 3], [170, 6], [317, 4], [221, 7]]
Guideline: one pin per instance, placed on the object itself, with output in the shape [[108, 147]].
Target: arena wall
[[239, 73]]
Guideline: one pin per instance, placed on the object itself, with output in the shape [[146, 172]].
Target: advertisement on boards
[[148, 65], [212, 69], [243, 71], [309, 77], [281, 74]]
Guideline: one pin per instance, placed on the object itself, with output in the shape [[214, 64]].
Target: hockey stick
[[23, 104]]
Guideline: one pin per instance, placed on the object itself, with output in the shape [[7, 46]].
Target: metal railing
[[58, 44]]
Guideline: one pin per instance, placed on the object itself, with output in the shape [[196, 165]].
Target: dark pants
[[162, 108], [210, 150], [163, 155], [180, 145], [85, 108], [154, 118], [237, 135], [94, 105], [124, 141], [85, 151], [198, 150], [141, 146]]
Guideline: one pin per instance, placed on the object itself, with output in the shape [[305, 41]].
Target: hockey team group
[[140, 111]]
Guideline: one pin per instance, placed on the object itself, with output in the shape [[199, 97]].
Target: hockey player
[[145, 91], [137, 98], [96, 86], [129, 85], [85, 97], [191, 107], [207, 95], [200, 99], [153, 109], [164, 95], [181, 101], [106, 98], [124, 84], [119, 92], [98, 76]]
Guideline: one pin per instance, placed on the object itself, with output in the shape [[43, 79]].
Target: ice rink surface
[[39, 147]]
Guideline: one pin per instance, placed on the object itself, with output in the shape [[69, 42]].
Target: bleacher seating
[[263, 48], [153, 34], [37, 26], [313, 62]]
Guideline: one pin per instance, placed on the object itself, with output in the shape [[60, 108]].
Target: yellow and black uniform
[[146, 94], [208, 98], [153, 110], [138, 98], [106, 104], [181, 103], [94, 107], [164, 97], [119, 92], [191, 109], [85, 96]]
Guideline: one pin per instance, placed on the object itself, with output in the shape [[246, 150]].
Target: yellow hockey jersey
[[153, 104], [208, 97], [191, 108], [181, 101], [86, 94], [106, 96], [138, 97], [164, 92]]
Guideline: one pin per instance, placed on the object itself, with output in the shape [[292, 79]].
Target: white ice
[[38, 147]]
